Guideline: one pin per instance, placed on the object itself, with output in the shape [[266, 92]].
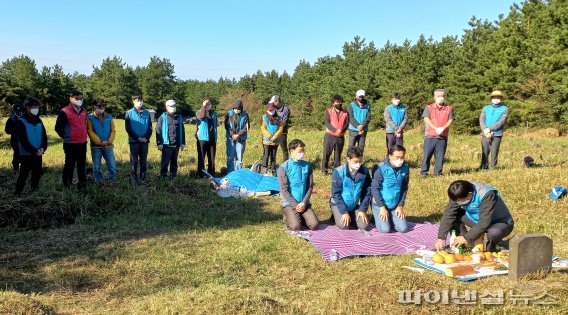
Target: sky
[[209, 39]]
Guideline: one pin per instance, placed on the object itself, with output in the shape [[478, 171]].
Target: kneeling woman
[[296, 180], [478, 206]]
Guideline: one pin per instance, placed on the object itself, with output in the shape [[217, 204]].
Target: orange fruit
[[438, 258], [458, 257], [467, 258], [488, 256], [449, 259]]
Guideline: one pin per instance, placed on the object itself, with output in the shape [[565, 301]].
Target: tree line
[[523, 53]]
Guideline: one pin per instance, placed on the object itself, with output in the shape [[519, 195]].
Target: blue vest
[[397, 115], [34, 134], [242, 125], [351, 193], [166, 129], [101, 127], [472, 208], [139, 122], [391, 188], [203, 128], [272, 128], [492, 115], [297, 173], [359, 113]]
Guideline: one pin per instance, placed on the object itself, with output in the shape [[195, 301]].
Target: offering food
[[459, 271]]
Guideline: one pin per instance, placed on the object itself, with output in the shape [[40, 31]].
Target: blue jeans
[[393, 221], [235, 152], [108, 155]]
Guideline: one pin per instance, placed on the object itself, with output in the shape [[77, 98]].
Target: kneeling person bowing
[[295, 177]]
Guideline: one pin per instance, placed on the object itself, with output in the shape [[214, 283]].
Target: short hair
[[75, 93], [99, 101], [295, 144], [30, 101], [136, 96], [395, 95], [354, 152], [460, 189], [337, 97], [439, 91], [396, 148]]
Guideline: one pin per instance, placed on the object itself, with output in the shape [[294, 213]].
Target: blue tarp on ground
[[252, 181]]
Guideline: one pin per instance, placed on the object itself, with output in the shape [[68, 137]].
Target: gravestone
[[528, 254]]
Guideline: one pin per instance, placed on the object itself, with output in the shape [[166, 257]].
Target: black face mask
[[338, 106]]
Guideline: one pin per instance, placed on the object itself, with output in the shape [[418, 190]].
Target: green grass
[[177, 248]]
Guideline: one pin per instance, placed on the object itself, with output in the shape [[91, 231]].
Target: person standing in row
[[100, 127], [283, 113], [492, 121], [71, 126], [170, 137], [296, 181], [237, 125], [438, 117], [336, 123], [396, 116], [359, 117], [32, 144], [10, 128], [206, 135], [272, 129], [138, 125]]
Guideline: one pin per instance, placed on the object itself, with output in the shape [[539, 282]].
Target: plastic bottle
[[452, 239], [332, 255]]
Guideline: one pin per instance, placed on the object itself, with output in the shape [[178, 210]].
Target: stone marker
[[529, 253]]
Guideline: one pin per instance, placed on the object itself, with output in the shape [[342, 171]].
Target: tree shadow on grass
[[56, 224]]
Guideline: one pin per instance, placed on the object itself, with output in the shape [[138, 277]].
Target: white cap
[[171, 103], [273, 99], [360, 93]]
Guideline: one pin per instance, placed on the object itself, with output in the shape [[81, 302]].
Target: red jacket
[[439, 117]]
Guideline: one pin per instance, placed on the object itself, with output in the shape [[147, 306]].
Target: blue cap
[[557, 192]]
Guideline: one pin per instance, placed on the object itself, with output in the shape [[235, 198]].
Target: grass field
[[176, 248]]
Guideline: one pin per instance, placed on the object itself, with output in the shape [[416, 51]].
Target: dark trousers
[[16, 159], [489, 146], [206, 149], [495, 233], [284, 146], [29, 163], [393, 140], [295, 220], [138, 156], [335, 144], [169, 158], [357, 140], [269, 156], [353, 223], [75, 154], [436, 147]]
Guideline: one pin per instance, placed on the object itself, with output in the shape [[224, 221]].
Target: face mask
[[439, 100], [398, 163], [78, 103], [396, 102], [208, 108], [495, 101], [300, 156], [34, 111], [100, 111], [338, 106], [138, 104], [355, 166], [171, 110], [465, 202], [270, 113], [237, 111]]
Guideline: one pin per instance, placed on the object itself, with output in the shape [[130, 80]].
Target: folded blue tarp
[[251, 181]]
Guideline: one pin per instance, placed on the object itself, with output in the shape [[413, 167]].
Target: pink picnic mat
[[346, 243]]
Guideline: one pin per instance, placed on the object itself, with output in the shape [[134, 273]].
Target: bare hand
[[399, 212], [440, 244], [459, 240], [105, 143], [160, 147], [360, 127], [345, 219], [362, 216], [384, 214], [236, 137], [300, 207]]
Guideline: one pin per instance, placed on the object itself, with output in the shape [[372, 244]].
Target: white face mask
[[439, 100], [270, 113], [138, 104], [34, 111], [300, 156], [237, 111], [465, 202], [396, 102], [78, 103], [171, 110], [495, 101], [100, 111], [355, 166], [398, 163]]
